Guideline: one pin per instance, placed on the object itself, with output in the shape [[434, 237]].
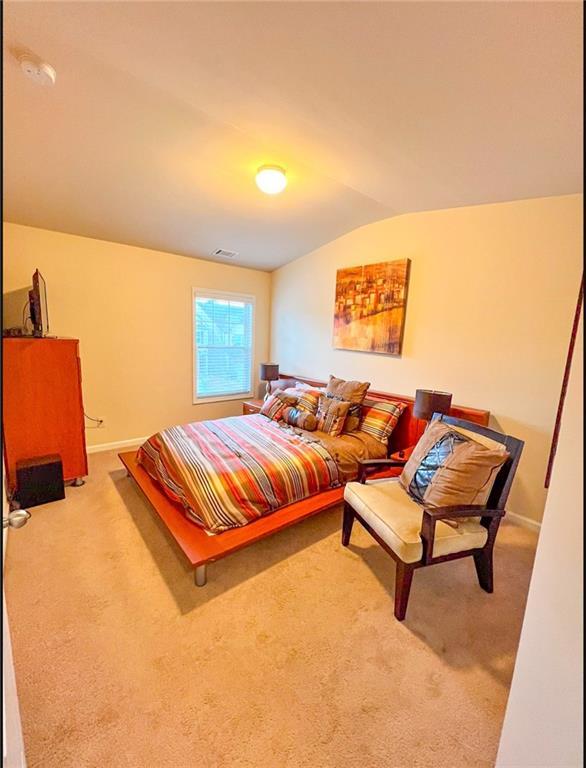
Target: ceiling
[[162, 113]]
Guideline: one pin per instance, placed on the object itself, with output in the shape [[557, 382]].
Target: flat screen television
[[38, 305], [24, 310]]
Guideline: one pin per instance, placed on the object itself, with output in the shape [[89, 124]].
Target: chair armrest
[[365, 464], [462, 510], [432, 515]]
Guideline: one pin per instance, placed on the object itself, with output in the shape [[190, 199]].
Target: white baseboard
[[114, 446], [526, 522]]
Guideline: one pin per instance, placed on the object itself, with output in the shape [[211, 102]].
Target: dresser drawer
[[251, 406]]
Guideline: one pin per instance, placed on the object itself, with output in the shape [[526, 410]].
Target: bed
[[221, 485]]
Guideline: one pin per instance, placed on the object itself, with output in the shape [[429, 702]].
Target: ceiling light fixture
[[271, 179], [36, 70]]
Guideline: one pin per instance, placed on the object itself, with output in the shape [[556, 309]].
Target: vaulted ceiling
[[162, 113]]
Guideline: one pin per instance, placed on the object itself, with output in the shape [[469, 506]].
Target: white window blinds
[[223, 328]]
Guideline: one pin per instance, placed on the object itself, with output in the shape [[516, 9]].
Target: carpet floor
[[290, 657]]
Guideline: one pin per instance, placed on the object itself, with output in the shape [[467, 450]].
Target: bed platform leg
[[201, 575]]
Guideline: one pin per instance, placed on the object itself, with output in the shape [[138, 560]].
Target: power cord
[[25, 317], [99, 422]]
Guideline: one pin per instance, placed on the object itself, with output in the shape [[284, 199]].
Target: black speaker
[[39, 480]]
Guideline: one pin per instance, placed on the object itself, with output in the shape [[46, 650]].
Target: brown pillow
[[447, 467], [331, 415], [298, 418], [353, 392]]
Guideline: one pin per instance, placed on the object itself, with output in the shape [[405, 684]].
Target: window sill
[[222, 398]]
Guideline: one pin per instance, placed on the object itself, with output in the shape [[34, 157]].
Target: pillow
[[297, 418], [353, 392], [448, 467], [308, 400], [281, 384], [291, 392], [304, 399], [380, 418], [331, 415], [274, 404]]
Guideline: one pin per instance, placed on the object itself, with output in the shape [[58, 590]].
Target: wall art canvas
[[369, 313]]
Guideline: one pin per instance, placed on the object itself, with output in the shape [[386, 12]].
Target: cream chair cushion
[[396, 518]]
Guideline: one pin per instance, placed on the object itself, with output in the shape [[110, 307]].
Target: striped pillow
[[380, 418], [274, 405], [308, 401]]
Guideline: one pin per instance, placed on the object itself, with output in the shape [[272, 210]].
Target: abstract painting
[[369, 314]]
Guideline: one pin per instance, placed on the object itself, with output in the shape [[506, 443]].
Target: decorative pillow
[[353, 392], [291, 392], [380, 418], [281, 384], [308, 400], [294, 416], [448, 467], [331, 415], [274, 404]]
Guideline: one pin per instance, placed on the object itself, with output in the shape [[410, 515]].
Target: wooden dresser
[[42, 404]]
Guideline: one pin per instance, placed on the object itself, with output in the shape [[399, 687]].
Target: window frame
[[224, 296]]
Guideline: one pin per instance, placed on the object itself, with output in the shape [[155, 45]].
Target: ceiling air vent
[[222, 253]]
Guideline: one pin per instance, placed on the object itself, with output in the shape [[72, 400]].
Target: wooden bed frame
[[200, 548]]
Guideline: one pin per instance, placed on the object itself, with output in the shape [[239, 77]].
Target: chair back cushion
[[449, 466]]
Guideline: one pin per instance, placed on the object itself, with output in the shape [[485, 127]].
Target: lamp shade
[[428, 402], [269, 371]]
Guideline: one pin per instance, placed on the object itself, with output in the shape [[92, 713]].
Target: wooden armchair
[[415, 536]]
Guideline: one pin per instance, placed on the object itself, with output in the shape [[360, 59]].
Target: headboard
[[409, 429]]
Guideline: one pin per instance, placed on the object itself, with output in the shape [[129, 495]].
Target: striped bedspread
[[228, 472]]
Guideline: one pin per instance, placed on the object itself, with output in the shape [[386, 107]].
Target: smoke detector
[[38, 71], [224, 254]]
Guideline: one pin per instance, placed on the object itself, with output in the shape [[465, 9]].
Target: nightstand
[[402, 455], [251, 406]]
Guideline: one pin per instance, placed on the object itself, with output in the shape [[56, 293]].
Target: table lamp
[[428, 402], [269, 372]]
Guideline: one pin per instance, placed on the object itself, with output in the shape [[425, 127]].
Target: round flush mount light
[[271, 179], [38, 71]]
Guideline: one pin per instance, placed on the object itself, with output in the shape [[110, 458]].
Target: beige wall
[[544, 720], [491, 299], [131, 310]]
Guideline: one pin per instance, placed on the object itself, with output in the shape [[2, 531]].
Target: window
[[222, 333]]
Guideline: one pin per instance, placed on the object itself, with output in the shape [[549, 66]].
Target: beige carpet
[[290, 657]]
